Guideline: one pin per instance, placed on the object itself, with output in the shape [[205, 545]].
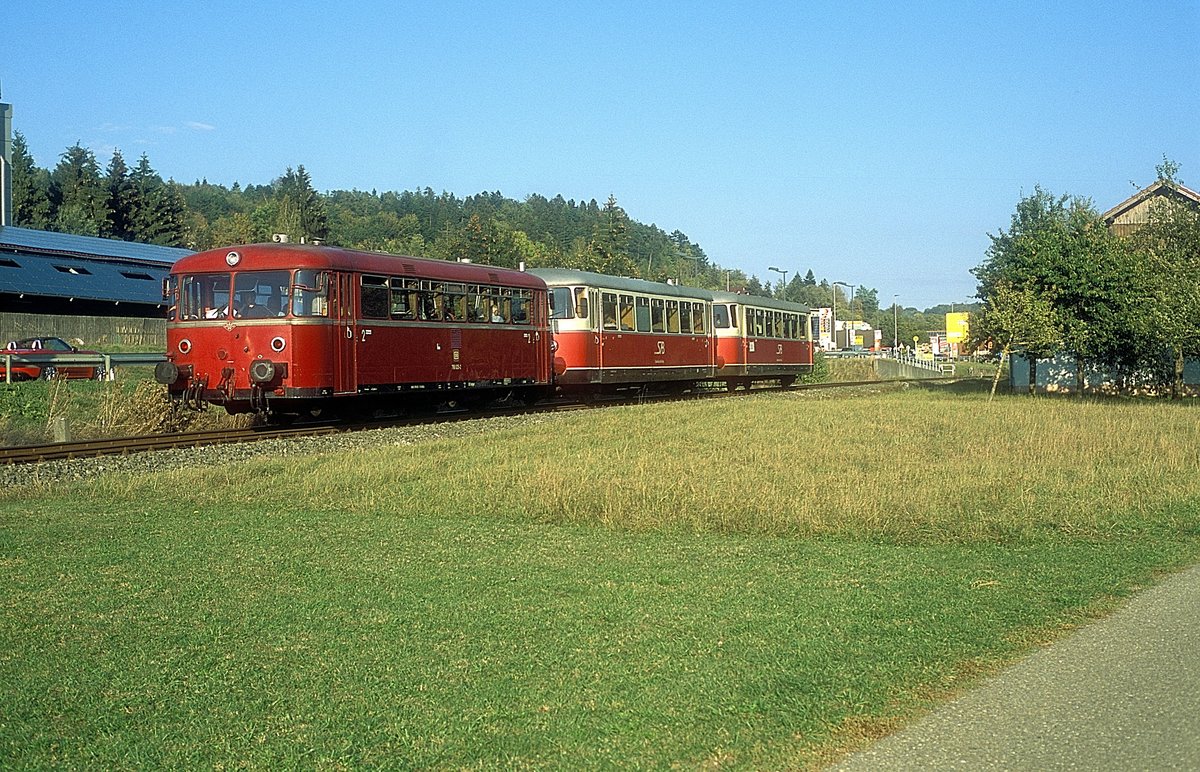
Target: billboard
[[957, 328]]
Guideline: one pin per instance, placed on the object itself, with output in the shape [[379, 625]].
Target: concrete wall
[[93, 332], [891, 368]]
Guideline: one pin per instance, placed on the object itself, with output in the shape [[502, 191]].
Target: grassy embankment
[[747, 584]]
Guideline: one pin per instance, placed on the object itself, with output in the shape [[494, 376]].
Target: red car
[[29, 371]]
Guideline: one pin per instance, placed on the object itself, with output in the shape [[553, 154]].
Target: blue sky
[[874, 143]]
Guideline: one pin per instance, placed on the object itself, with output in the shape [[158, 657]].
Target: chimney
[[6, 151]]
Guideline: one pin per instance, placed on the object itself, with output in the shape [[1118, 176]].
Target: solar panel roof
[[61, 265], [12, 238]]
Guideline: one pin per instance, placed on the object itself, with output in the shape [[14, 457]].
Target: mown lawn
[[580, 592]]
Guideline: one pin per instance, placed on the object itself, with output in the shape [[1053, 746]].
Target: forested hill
[[137, 204]]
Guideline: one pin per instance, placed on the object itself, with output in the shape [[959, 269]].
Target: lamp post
[[833, 321], [895, 327], [785, 273]]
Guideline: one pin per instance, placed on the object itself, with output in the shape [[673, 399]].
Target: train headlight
[[168, 373], [263, 371]]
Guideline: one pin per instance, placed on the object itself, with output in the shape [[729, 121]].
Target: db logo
[[661, 348]]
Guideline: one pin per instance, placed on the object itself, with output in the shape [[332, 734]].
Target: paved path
[[1120, 694]]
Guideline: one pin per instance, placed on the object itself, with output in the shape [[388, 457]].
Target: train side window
[[643, 314], [672, 316], [685, 317], [759, 324], [657, 323], [374, 297], [520, 306], [581, 302], [698, 326], [429, 302], [310, 293], [608, 310], [477, 304], [560, 303], [721, 316], [733, 315], [402, 305], [501, 311], [777, 324], [171, 295], [455, 306], [625, 304]]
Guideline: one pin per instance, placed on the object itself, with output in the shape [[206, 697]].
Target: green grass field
[[747, 584]]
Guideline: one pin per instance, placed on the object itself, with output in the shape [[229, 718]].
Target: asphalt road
[[1120, 694]]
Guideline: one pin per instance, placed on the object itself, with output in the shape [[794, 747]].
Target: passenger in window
[[496, 315]]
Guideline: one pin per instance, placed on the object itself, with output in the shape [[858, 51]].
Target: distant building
[[1134, 212]]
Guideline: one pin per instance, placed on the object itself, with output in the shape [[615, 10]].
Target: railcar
[[286, 330], [613, 333], [760, 340]]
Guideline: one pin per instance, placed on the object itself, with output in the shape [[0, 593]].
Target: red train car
[[760, 340], [613, 333], [296, 329]]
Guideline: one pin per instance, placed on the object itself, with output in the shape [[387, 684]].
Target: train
[[300, 330]]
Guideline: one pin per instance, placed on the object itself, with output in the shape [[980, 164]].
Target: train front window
[[310, 293], [561, 306], [204, 296], [260, 294]]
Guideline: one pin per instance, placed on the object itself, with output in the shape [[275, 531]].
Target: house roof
[[1158, 188], [59, 265]]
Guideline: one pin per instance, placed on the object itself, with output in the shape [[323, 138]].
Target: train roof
[[568, 276], [289, 256], [760, 302]]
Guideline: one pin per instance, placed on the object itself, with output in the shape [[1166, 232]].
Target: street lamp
[[833, 321], [785, 273], [895, 327]]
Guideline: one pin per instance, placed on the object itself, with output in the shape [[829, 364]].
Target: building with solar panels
[[77, 287]]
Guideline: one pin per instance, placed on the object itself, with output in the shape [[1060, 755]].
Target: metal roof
[[47, 242], [60, 265], [569, 276], [760, 302]]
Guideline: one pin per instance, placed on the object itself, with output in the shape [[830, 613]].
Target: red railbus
[[289, 329]]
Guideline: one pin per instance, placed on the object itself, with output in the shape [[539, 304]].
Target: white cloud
[[198, 126]]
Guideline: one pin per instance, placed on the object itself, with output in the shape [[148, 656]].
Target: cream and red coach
[[293, 329], [760, 339], [613, 333]]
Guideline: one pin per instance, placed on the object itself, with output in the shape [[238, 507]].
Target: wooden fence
[[103, 333]]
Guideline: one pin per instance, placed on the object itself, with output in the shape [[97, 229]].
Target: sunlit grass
[[737, 584], [896, 466]]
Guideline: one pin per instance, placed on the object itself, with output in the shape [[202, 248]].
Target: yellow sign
[[957, 328]]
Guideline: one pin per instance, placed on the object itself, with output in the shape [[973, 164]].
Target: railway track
[[119, 446]]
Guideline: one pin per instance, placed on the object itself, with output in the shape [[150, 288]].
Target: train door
[[345, 373], [539, 312]]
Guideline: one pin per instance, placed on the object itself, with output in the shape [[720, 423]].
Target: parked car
[[28, 371]]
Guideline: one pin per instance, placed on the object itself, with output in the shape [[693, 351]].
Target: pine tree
[[120, 196], [30, 188], [77, 194], [303, 206]]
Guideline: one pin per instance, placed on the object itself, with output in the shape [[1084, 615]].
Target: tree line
[[1059, 280], [137, 204]]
